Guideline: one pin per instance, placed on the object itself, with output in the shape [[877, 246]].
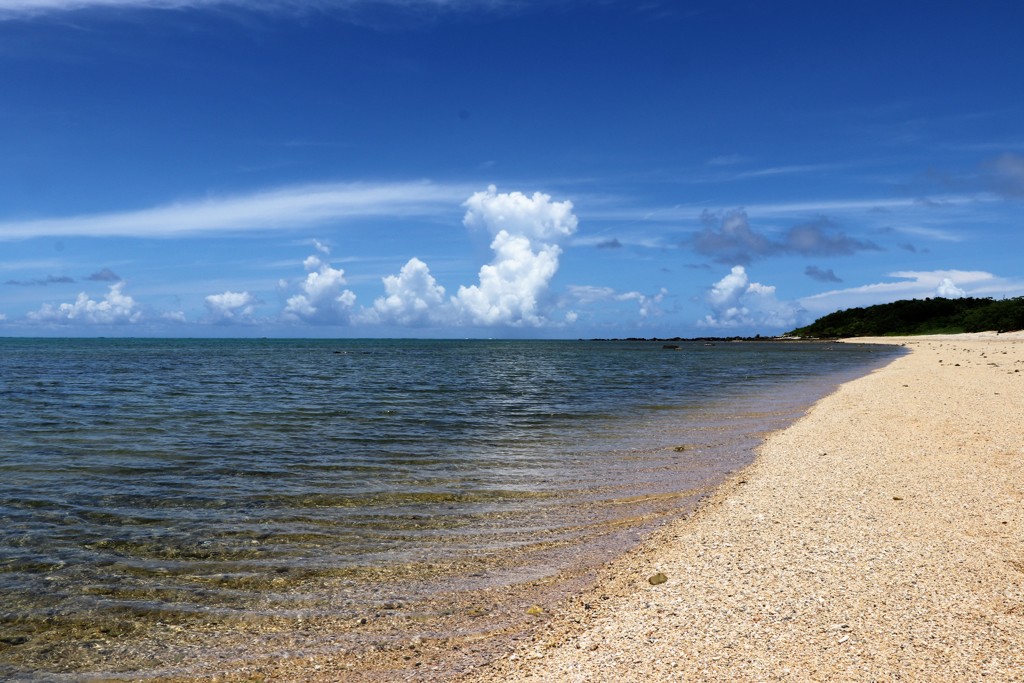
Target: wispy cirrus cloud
[[937, 234], [17, 9], [793, 169], [275, 209], [589, 295]]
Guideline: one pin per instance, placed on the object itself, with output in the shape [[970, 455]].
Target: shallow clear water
[[156, 480]]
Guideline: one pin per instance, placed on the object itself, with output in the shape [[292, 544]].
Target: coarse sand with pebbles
[[879, 538]]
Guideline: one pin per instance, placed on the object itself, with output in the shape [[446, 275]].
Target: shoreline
[[879, 537], [765, 579], [460, 611]]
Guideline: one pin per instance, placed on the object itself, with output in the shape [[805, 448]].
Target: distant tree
[[920, 316]]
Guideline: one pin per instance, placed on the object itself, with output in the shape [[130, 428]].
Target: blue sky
[[501, 168]]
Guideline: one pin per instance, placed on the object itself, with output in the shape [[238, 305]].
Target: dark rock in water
[[13, 640], [657, 579]]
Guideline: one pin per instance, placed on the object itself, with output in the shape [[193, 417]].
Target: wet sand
[[880, 537]]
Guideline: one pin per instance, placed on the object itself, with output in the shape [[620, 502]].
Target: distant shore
[[880, 537]]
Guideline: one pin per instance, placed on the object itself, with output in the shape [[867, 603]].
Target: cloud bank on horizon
[[513, 290], [227, 167]]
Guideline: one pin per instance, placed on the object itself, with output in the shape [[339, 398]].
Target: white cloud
[[536, 218], [790, 170], [322, 297], [11, 9], [736, 302], [588, 295], [930, 233], [510, 287], [909, 284], [321, 247], [526, 256], [947, 289], [174, 316], [3, 317], [115, 308], [275, 209], [413, 297], [231, 307]]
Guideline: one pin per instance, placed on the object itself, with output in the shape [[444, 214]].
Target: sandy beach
[[880, 537]]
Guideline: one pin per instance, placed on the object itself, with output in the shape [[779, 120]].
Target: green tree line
[[920, 316]]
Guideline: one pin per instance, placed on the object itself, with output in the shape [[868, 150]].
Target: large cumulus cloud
[[526, 234], [413, 297], [322, 297], [116, 307], [230, 307], [736, 302], [512, 288]]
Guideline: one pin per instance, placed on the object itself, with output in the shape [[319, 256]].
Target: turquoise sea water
[[153, 483]]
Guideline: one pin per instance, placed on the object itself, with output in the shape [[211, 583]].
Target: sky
[[501, 168]]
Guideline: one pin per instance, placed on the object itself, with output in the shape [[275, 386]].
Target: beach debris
[[657, 579], [679, 449], [535, 610]]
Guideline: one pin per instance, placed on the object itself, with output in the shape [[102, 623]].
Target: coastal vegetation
[[920, 316]]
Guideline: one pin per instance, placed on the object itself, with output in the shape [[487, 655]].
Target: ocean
[[160, 496]]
